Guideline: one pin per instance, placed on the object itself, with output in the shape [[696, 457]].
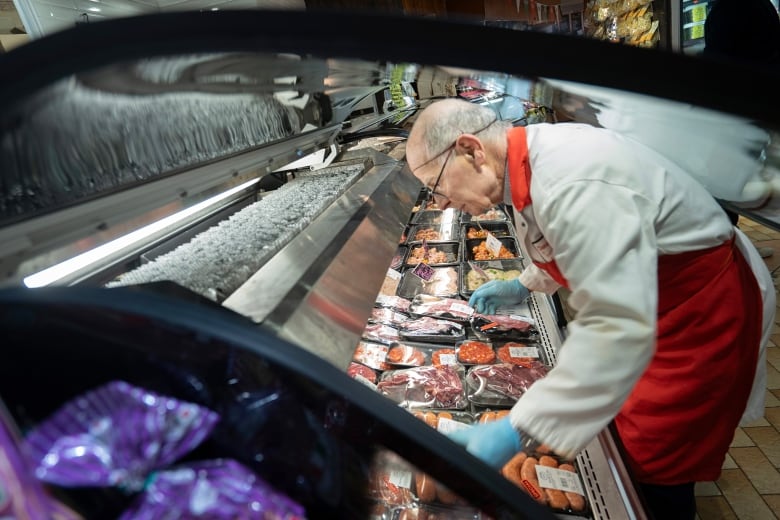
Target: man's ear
[[472, 147]]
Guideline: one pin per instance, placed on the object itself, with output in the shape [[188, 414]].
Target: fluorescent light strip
[[68, 267]]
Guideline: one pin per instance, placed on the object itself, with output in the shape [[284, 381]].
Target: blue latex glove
[[488, 297], [494, 442]]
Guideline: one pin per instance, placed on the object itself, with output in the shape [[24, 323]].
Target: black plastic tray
[[509, 242], [451, 249], [503, 265], [411, 284]]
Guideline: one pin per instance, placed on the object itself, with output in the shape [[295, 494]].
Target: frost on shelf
[[218, 261]]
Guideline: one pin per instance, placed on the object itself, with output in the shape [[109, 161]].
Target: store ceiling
[[47, 16]]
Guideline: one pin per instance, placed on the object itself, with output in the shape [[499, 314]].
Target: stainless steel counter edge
[[608, 485], [318, 291]]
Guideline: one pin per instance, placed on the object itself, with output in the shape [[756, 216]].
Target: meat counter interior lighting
[[56, 272]]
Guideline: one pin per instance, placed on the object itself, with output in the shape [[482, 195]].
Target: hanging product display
[[622, 21]]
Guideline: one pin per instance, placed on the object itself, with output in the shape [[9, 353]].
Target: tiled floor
[[749, 487]]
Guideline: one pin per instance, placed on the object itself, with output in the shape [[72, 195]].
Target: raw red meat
[[356, 369], [429, 387], [505, 379]]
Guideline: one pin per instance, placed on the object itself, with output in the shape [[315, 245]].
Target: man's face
[[463, 181]]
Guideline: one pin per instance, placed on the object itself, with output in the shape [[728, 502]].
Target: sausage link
[[576, 500], [555, 497], [426, 489], [445, 495], [530, 481], [487, 417], [511, 469]]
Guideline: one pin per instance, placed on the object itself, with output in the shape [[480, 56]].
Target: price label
[[424, 271], [555, 478], [699, 13], [448, 359], [524, 319], [493, 245], [400, 478], [697, 31], [462, 308], [393, 274], [521, 352], [447, 426]]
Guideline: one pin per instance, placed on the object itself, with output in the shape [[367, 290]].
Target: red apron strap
[[519, 169], [679, 420], [551, 268]]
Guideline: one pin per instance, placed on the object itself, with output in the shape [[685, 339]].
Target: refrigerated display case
[[267, 232]]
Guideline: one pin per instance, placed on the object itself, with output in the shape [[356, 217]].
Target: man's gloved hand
[[488, 297], [494, 442]]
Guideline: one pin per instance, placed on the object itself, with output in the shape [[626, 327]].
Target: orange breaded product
[[436, 358], [501, 414], [476, 352]]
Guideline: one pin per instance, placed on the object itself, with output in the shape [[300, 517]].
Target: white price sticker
[[554, 478], [462, 308], [401, 478], [383, 299], [393, 274], [524, 319], [493, 245], [448, 359], [521, 352], [447, 426]]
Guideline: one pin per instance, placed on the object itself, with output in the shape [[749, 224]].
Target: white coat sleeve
[[535, 279], [604, 243]]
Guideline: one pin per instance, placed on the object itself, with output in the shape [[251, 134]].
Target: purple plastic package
[[21, 495], [214, 489], [116, 435]]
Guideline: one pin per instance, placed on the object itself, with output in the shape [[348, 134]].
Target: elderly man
[[671, 300]]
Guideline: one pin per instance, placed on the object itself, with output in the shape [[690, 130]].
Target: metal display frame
[[607, 481]]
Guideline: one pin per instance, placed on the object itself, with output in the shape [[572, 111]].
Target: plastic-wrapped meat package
[[116, 435], [381, 333], [396, 303], [440, 307], [387, 317], [502, 384], [214, 489], [390, 479], [21, 494], [425, 387], [361, 372], [431, 329], [503, 327], [406, 355], [373, 355]]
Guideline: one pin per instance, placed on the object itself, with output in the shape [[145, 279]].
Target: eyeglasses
[[432, 191]]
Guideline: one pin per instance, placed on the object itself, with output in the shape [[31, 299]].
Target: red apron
[[679, 420]]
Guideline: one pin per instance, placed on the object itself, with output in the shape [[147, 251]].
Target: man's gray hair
[[462, 118]]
